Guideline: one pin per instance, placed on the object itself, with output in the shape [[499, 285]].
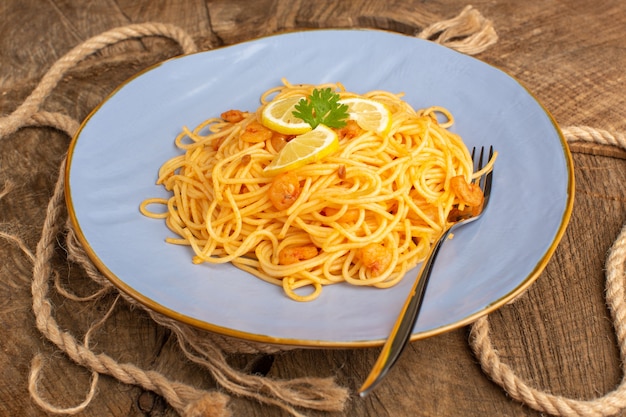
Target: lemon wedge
[[278, 116], [309, 147], [369, 114]]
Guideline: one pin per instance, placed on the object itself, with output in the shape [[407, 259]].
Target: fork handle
[[403, 327]]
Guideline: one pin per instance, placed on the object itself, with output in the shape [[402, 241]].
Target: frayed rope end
[[210, 404]]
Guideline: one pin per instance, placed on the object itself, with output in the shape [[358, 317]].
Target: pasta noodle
[[364, 215]]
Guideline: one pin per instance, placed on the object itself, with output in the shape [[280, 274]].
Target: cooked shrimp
[[284, 190], [456, 215], [431, 211], [233, 116], [469, 194], [279, 141], [375, 257], [341, 172], [255, 132], [293, 254], [349, 131], [217, 143], [351, 215]]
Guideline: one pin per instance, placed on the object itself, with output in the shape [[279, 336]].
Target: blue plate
[[114, 158]]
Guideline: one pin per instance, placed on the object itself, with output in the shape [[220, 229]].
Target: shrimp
[[349, 131], [431, 211], [217, 143], [233, 116], [456, 215], [284, 190], [469, 194], [341, 172], [375, 257], [255, 132], [245, 160], [294, 254], [279, 140], [351, 215]]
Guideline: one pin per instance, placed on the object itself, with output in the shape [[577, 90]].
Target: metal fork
[[402, 329]]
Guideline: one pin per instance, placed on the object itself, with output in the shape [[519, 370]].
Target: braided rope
[[614, 401], [469, 32], [594, 135]]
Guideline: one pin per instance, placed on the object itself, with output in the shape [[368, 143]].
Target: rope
[[614, 401], [469, 32], [589, 134]]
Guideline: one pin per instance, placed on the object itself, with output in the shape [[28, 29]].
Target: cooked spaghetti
[[364, 214]]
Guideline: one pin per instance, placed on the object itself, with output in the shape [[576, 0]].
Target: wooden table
[[558, 336]]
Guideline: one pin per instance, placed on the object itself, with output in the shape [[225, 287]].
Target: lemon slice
[[309, 147], [278, 115], [369, 114]]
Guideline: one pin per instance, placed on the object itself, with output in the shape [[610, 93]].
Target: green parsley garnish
[[322, 107]]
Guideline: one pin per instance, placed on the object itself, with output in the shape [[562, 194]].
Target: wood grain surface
[[558, 336]]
